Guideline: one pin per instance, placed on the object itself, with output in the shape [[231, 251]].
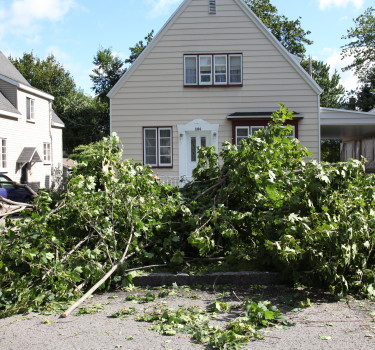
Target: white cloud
[[161, 7], [324, 4], [24, 17], [348, 79]]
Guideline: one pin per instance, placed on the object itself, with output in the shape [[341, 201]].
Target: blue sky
[[73, 30]]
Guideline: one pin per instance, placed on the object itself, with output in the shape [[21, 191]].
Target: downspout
[[50, 136], [319, 132]]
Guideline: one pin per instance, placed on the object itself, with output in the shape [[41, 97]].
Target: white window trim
[[30, 109], [256, 127], [212, 82], [241, 65], [226, 70], [47, 155], [242, 137], [3, 163], [250, 130], [160, 146], [196, 70], [158, 155], [205, 74]]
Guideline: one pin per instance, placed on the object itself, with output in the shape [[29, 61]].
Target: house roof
[[8, 70], [6, 106], [29, 154], [56, 121], [10, 74], [346, 124], [288, 56]]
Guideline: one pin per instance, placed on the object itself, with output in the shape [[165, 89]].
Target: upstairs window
[[3, 153], [157, 147], [212, 70], [30, 108], [47, 152]]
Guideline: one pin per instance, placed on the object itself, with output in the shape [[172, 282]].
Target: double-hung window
[[213, 69], [30, 109], [47, 152], [243, 132], [3, 153], [157, 146]]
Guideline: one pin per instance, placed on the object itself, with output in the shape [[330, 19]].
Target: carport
[[355, 129]]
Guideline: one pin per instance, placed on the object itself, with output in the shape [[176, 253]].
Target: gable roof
[[6, 106], [247, 11], [10, 74], [56, 121], [8, 70]]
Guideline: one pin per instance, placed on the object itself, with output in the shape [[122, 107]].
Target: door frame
[[196, 125]]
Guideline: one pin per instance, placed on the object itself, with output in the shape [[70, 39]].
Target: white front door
[[194, 141], [191, 136]]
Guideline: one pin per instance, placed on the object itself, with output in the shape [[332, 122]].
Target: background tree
[[85, 118], [333, 92], [137, 49], [366, 94], [288, 32], [46, 74], [108, 70], [362, 45]]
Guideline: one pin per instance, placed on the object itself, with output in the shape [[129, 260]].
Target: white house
[[30, 131], [214, 72]]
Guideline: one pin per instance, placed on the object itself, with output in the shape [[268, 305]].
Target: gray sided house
[[30, 131], [213, 73]]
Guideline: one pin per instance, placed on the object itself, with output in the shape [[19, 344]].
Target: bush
[[261, 201]]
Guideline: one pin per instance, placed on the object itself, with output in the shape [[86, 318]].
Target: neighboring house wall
[[37, 133], [152, 92]]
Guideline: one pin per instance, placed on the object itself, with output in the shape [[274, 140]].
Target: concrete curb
[[244, 278]]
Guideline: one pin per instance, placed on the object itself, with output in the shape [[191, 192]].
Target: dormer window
[[213, 69], [30, 109]]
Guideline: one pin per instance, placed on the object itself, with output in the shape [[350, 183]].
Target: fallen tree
[[112, 210]]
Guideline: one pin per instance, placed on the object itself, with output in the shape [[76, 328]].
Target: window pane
[[241, 133], [235, 69], [255, 129], [165, 160], [205, 61], [165, 141], [220, 69], [190, 70], [165, 133], [203, 141], [193, 149], [151, 158], [205, 69], [150, 146], [3, 154]]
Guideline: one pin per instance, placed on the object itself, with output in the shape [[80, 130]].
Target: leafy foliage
[[138, 48], [196, 321], [108, 70], [85, 119], [362, 44], [261, 201], [46, 74], [63, 247], [333, 92], [288, 32]]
